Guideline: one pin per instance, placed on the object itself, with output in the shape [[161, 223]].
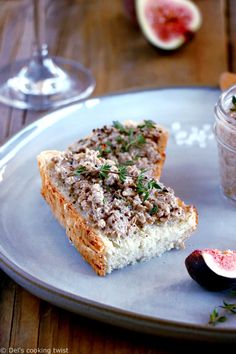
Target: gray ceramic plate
[[158, 296]]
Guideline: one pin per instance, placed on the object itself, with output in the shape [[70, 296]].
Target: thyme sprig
[[138, 142], [233, 101], [80, 170], [128, 138], [104, 171], [216, 317], [119, 126], [147, 124], [144, 185], [128, 163], [105, 149], [125, 130], [154, 210], [122, 173]]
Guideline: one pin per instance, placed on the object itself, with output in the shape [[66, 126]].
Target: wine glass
[[43, 82]]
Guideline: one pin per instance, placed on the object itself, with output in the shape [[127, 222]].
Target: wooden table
[[97, 33]]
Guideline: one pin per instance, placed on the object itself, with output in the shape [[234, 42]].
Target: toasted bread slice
[[142, 144], [109, 248]]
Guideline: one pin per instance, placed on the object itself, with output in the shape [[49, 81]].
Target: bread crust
[[161, 149], [83, 237]]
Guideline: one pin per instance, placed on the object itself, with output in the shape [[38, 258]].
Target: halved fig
[[168, 24], [213, 269]]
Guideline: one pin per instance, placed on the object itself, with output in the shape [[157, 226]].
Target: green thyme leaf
[[144, 187], [146, 196], [103, 152], [143, 184], [153, 184], [229, 307], [104, 170], [153, 210], [147, 124], [216, 317], [105, 149], [139, 141], [80, 170], [128, 163], [108, 143], [130, 132], [119, 139], [119, 126], [222, 319], [122, 172], [140, 185]]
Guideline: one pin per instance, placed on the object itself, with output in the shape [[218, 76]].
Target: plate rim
[[45, 117], [204, 331]]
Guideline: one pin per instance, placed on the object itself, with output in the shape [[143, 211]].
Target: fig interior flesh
[[213, 269], [168, 24]]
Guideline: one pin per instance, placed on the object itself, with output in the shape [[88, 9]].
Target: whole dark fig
[[213, 269]]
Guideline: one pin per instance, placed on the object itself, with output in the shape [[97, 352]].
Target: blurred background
[[100, 35]]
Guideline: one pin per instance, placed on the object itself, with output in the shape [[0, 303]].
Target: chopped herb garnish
[[153, 184], [153, 210], [128, 163], [229, 307], [119, 139], [143, 184], [104, 170], [144, 189], [80, 170], [129, 137], [138, 142], [122, 172], [147, 124], [216, 317], [109, 143], [103, 151], [140, 186], [119, 126]]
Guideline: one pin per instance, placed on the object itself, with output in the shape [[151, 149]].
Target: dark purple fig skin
[[129, 6], [204, 276]]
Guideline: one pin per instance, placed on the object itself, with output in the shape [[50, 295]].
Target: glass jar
[[225, 133]]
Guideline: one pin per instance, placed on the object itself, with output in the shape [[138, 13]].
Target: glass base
[[27, 84]]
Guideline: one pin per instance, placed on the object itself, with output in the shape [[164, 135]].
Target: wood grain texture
[[98, 34], [231, 31]]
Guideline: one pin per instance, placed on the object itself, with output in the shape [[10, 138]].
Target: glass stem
[[41, 48]]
